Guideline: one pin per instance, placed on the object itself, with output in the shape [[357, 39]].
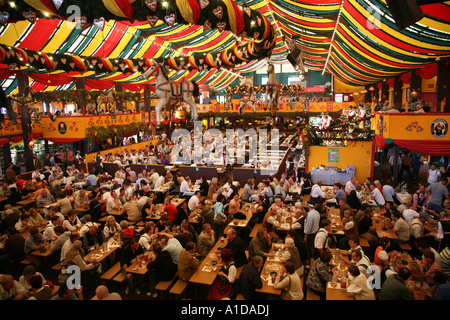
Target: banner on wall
[[333, 155]]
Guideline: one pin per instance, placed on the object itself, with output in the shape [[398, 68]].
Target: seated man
[[251, 279], [236, 245], [260, 245], [188, 262]]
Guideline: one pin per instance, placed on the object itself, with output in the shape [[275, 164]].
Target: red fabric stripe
[[367, 52], [40, 33], [428, 147], [98, 84], [38, 87], [110, 43], [438, 10], [386, 37], [51, 80], [428, 72]]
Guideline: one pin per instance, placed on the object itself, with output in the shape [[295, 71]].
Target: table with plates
[[382, 229], [414, 284], [270, 270], [334, 216], [242, 223], [337, 287], [105, 250], [403, 196], [207, 271], [139, 266]]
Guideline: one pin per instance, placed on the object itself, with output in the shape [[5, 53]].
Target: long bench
[[163, 286], [363, 242], [111, 272], [179, 288], [255, 230]]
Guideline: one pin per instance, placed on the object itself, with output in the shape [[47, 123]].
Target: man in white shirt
[[377, 196], [321, 238], [194, 201], [153, 177], [68, 245], [160, 181], [410, 213], [388, 193], [350, 185], [112, 203], [128, 190], [49, 234], [362, 262], [433, 174], [416, 227], [316, 190], [184, 187]]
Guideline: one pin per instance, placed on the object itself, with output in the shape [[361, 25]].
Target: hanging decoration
[[247, 89], [81, 97], [102, 133], [257, 34]]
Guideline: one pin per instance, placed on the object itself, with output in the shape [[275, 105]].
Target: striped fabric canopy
[[357, 41]]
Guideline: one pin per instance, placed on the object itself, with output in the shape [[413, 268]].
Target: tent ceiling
[[357, 41]]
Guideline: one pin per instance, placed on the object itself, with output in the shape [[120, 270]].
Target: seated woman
[[427, 267], [320, 274], [223, 284], [161, 268], [358, 288], [289, 282], [89, 269]]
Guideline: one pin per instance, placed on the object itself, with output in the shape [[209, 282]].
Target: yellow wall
[[429, 85], [341, 87], [358, 154], [76, 125], [410, 127]]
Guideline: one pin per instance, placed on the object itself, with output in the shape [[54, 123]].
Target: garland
[[211, 14], [284, 89], [100, 133], [81, 97], [262, 115]]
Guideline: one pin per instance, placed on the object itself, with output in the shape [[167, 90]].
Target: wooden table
[[414, 284], [242, 223], [43, 254], [206, 272], [26, 202], [138, 267], [116, 212], [337, 293], [177, 201], [381, 228], [271, 265], [100, 255], [334, 216]]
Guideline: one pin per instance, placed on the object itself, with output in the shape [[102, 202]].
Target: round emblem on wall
[[62, 128], [439, 128]]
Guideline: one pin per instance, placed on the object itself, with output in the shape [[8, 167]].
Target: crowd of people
[[173, 245]]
